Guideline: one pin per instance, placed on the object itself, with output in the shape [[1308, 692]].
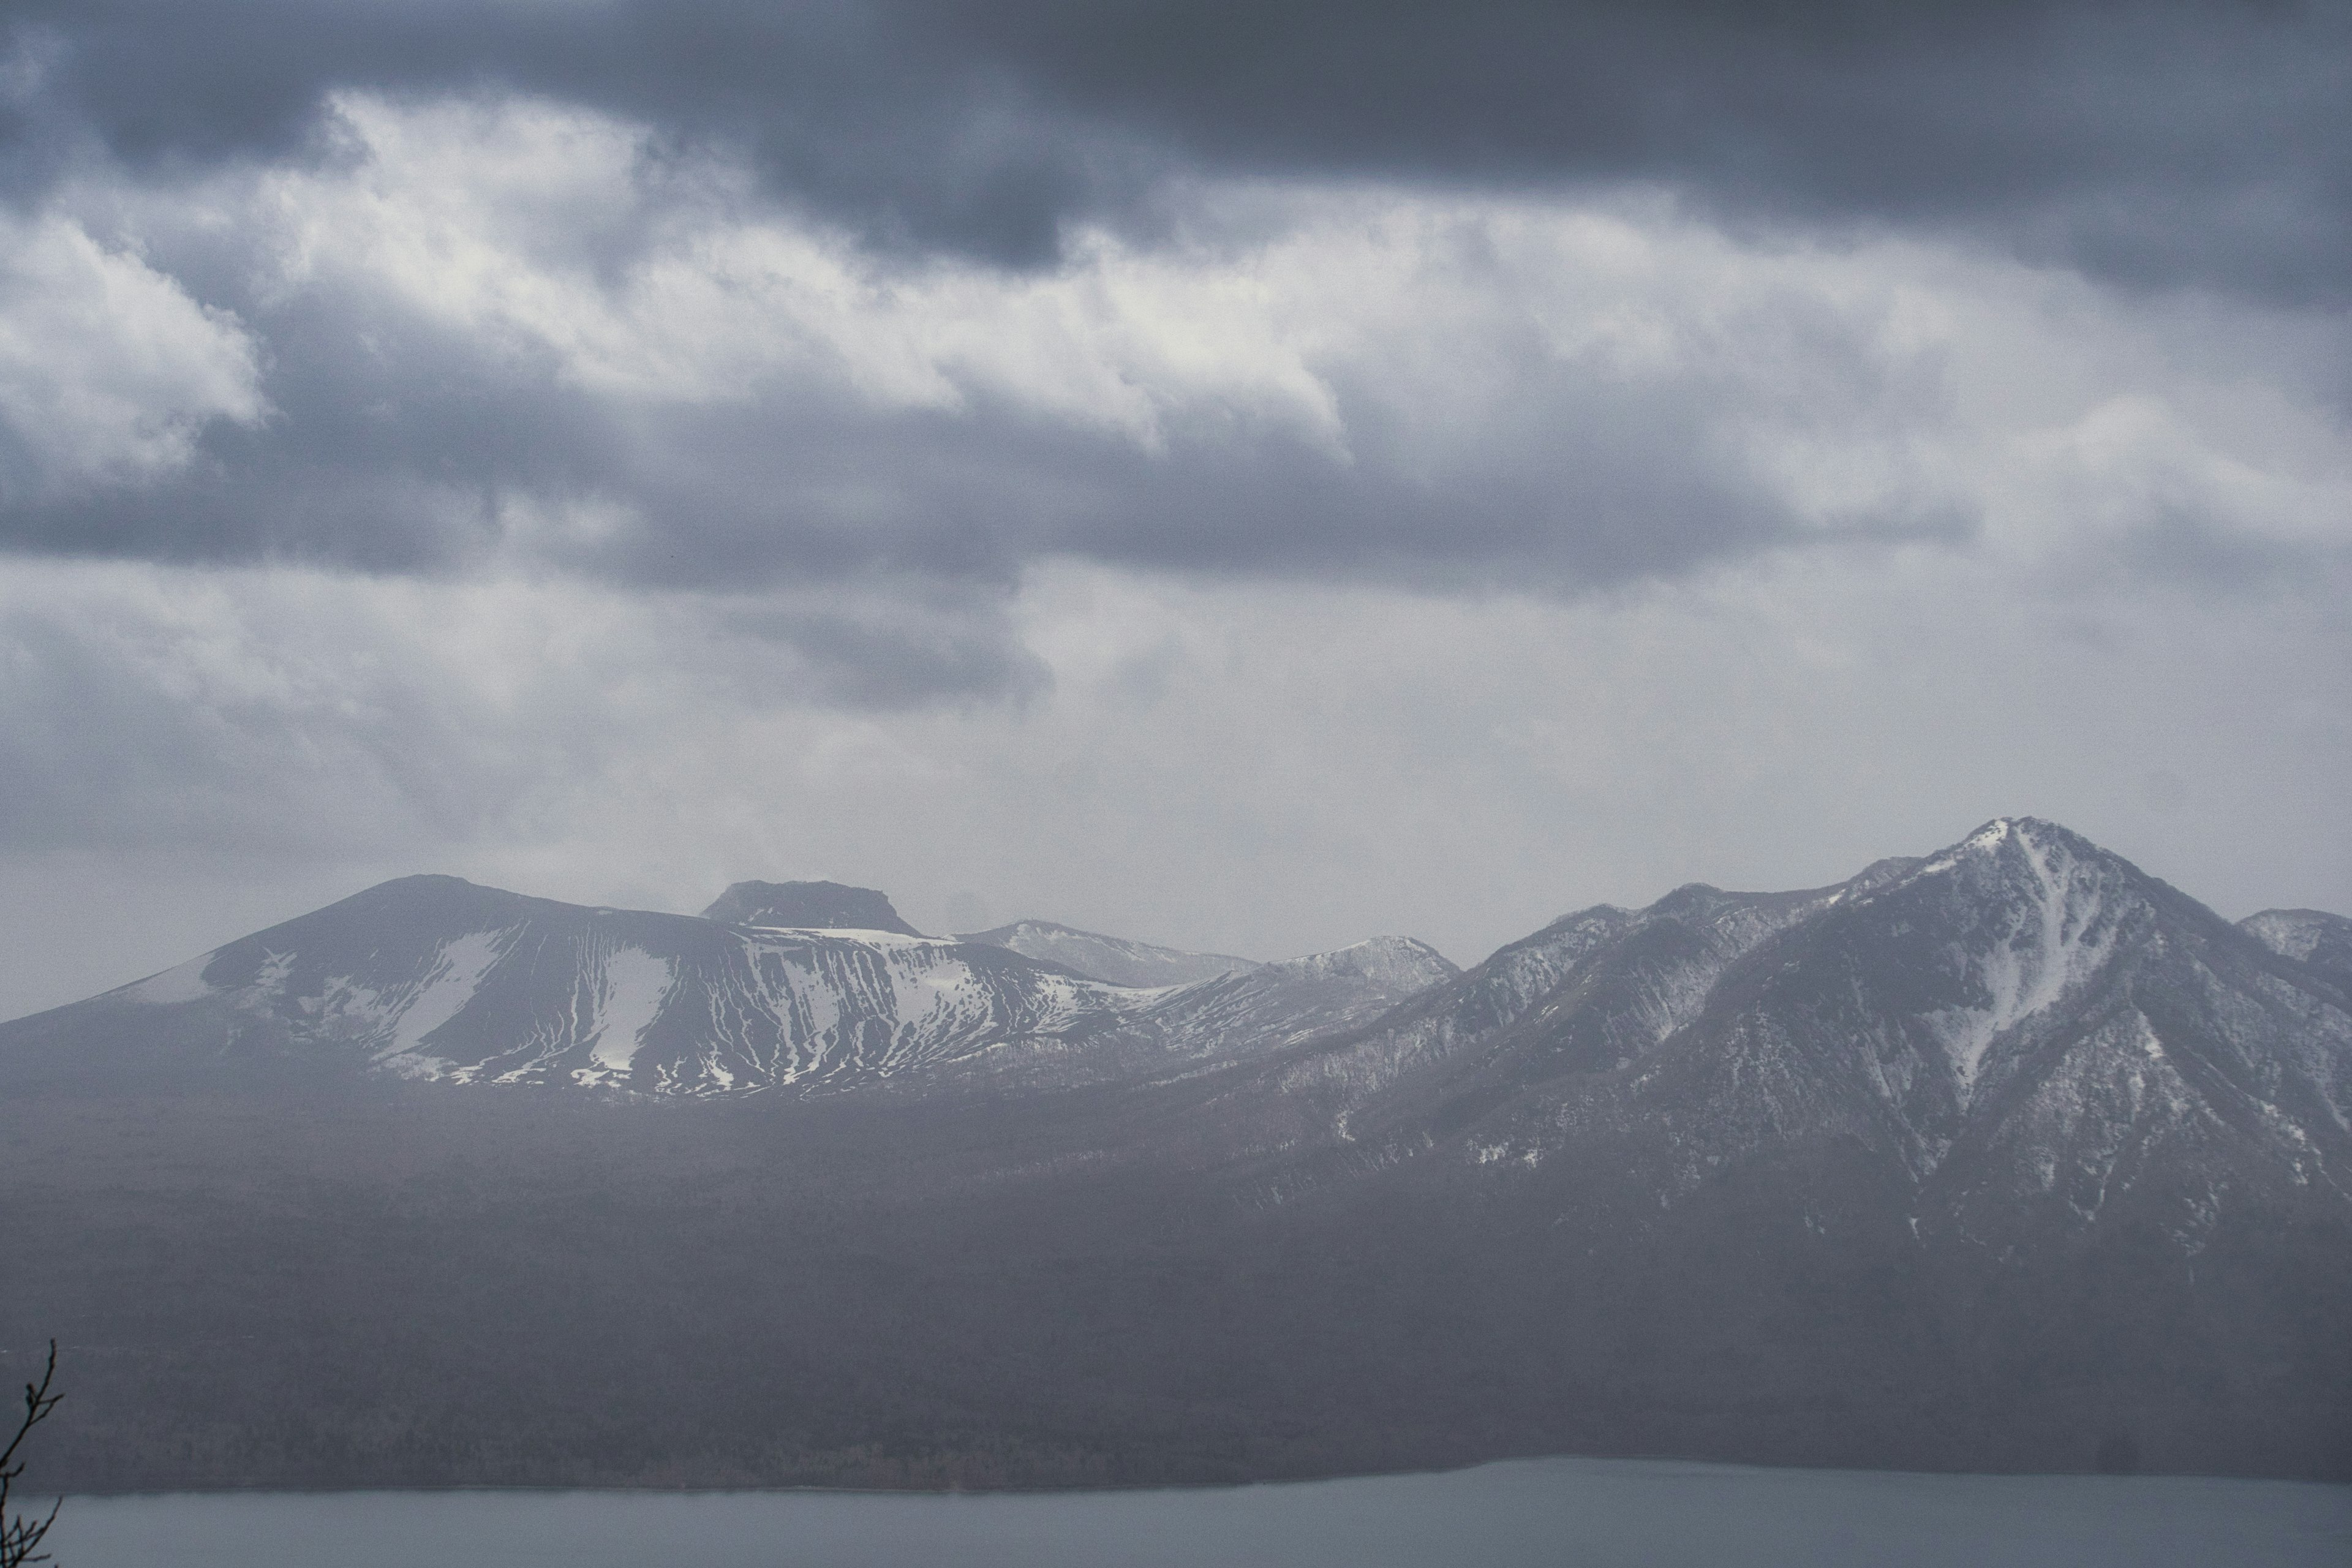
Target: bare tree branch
[[21, 1535]]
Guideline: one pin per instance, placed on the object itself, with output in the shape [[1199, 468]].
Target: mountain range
[[800, 988], [2008, 1156]]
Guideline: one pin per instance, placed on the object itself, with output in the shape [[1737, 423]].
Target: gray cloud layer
[[512, 332], [403, 459], [2153, 144], [1242, 475], [2157, 144]]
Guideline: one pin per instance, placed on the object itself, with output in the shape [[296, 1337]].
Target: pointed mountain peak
[[822, 906], [2001, 830], [2020, 841]]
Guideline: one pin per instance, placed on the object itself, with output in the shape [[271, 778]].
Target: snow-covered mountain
[[2010, 1156], [1110, 958], [435, 978], [2022, 1028]]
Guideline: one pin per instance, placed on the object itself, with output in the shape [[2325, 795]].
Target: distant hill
[[1115, 959], [2311, 936], [435, 979]]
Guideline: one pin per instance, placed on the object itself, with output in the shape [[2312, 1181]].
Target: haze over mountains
[[2010, 1156], [804, 988], [1115, 959]]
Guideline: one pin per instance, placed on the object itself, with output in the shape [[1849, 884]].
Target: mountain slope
[[1109, 958], [1296, 999], [2309, 936], [2010, 1157], [433, 978], [2023, 1030]]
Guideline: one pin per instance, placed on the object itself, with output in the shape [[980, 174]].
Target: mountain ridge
[[435, 978], [2072, 1029], [1118, 960], [2010, 1156]]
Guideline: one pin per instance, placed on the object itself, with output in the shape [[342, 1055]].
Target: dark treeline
[[404, 1288]]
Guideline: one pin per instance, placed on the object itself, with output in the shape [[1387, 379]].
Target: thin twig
[[19, 1535]]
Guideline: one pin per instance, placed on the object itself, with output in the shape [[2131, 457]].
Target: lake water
[[1592, 1513]]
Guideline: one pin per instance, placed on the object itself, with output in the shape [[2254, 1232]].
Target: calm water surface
[[1604, 1513]]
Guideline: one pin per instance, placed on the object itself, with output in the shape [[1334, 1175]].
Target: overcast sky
[[1237, 474]]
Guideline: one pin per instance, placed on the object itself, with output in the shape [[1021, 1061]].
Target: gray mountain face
[[2023, 1030], [1296, 999], [813, 906], [431, 978], [2309, 936], [1109, 958], [2011, 1157]]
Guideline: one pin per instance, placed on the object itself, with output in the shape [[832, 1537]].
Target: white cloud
[[1472, 339], [1554, 392], [502, 219], [108, 369]]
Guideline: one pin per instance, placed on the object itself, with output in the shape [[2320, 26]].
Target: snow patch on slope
[[184, 984], [879, 939], [1984, 839], [2278, 929], [2046, 952], [450, 983], [634, 984]]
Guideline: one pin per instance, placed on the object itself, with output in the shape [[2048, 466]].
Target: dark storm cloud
[[392, 445], [872, 115], [2154, 144], [2151, 144], [1587, 487], [399, 444]]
